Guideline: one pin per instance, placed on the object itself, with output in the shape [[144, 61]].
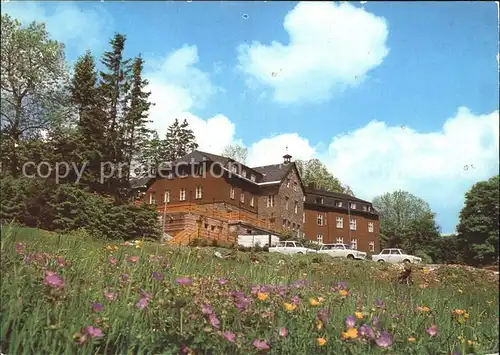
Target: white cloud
[[332, 46], [177, 87], [67, 23], [271, 150], [439, 167]]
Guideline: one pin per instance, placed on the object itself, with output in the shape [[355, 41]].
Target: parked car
[[290, 247], [393, 256], [339, 250]]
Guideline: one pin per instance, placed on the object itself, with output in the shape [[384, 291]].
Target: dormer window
[[234, 169], [353, 206], [338, 203], [252, 177], [319, 200], [244, 173]]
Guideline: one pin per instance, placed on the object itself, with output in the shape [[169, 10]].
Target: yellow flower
[[458, 312], [412, 339], [423, 309], [351, 333], [470, 342], [343, 293], [314, 302], [290, 306], [359, 315], [426, 271], [321, 341], [319, 324], [466, 315], [262, 296]]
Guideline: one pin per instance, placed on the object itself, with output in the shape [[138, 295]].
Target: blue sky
[[390, 95]]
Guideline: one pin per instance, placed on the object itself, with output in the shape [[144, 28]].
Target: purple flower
[[350, 322], [206, 309], [94, 332], [240, 300], [283, 332], [157, 276], [53, 280], [125, 277], [184, 281], [143, 303], [323, 315], [379, 303], [375, 321], [145, 294], [230, 336], [296, 300], [261, 344], [222, 281], [366, 331], [299, 283], [432, 330], [384, 340], [97, 307], [214, 321]]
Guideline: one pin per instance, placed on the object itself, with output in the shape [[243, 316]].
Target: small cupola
[[287, 158]]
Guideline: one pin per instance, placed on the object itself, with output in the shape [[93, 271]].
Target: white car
[[394, 256], [339, 250], [290, 247]]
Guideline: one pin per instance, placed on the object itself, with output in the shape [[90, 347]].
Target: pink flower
[[206, 309], [350, 322], [94, 332], [230, 336], [20, 248], [214, 321], [143, 303], [110, 296], [53, 280], [261, 344], [133, 259], [112, 260], [432, 330], [222, 281], [184, 281], [283, 332]]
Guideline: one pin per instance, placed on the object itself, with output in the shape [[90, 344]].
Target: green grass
[[36, 318]]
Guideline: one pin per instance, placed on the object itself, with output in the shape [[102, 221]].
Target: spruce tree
[[187, 139], [170, 146]]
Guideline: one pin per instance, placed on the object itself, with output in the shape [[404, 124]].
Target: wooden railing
[[205, 210]]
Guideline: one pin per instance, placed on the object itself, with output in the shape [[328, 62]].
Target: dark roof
[[275, 172], [137, 183], [198, 156], [335, 195]]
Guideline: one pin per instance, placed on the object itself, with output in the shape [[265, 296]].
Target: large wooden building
[[204, 195]]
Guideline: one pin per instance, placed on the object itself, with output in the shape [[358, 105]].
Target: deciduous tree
[[236, 152]]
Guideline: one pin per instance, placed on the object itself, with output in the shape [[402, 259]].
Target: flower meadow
[[70, 294]]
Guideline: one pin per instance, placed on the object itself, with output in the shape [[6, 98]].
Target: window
[[244, 173], [199, 170], [198, 192], [294, 186], [372, 246], [170, 175], [242, 197], [270, 201], [385, 251], [338, 203], [287, 182], [290, 245], [234, 169], [182, 195], [303, 217], [304, 198], [370, 227], [252, 177], [252, 201], [354, 243], [296, 207], [365, 207], [395, 252], [284, 223], [353, 224], [340, 222], [319, 238], [231, 193], [166, 196], [320, 219], [319, 200], [353, 206], [152, 200], [286, 203], [340, 240]]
